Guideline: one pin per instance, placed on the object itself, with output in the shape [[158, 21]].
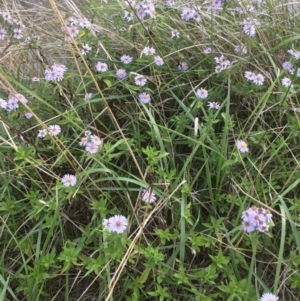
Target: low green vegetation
[[149, 151]]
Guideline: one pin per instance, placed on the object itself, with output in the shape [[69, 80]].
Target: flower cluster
[[148, 196], [188, 14], [294, 53], [244, 10], [90, 142], [148, 51], [222, 63], [116, 223], [15, 25], [256, 78], [256, 219], [55, 72], [241, 49], [13, 102], [52, 130], [142, 10], [72, 27], [68, 180], [249, 26], [216, 6]]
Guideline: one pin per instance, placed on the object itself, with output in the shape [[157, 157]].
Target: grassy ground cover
[[149, 150]]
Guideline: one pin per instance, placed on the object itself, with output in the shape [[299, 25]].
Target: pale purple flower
[[242, 146], [42, 133], [219, 59], [202, 93], [95, 140], [3, 103], [140, 80], [85, 49], [213, 105], [129, 16], [121, 73], [54, 130], [20, 98], [141, 13], [131, 3], [190, 14], [288, 66], [295, 54], [249, 75], [28, 115], [91, 148], [248, 226], [6, 16], [158, 60], [145, 97], [218, 69], [174, 33], [85, 23], [286, 82], [256, 219], [148, 51], [55, 72], [249, 30], [268, 297], [240, 49], [268, 215], [126, 59], [68, 180], [207, 50], [225, 64], [222, 63], [169, 2], [183, 66], [216, 6], [88, 96], [251, 21], [259, 79], [84, 141], [12, 104], [101, 67], [35, 79], [148, 196], [3, 33], [107, 224], [87, 133], [18, 33], [118, 224], [149, 9], [70, 32]]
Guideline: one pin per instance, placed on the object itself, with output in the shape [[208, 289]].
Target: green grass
[[189, 244]]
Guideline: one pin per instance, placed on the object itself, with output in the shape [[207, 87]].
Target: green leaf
[[144, 275]]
